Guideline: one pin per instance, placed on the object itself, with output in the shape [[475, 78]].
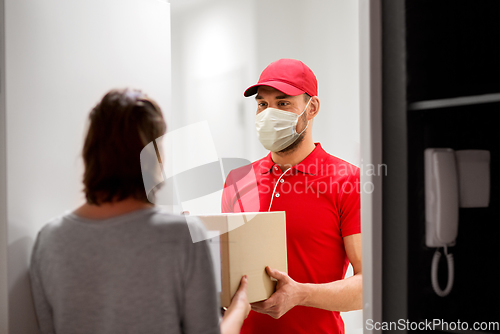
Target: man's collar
[[310, 165], [266, 164]]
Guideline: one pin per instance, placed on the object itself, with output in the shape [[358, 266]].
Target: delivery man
[[320, 195]]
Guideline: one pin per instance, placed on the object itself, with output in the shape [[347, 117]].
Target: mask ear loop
[[307, 105]]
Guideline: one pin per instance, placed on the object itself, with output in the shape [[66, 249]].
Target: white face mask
[[276, 128]]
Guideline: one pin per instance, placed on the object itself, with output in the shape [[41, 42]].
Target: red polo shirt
[[320, 196]]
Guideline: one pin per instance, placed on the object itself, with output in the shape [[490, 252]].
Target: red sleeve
[[240, 193], [226, 202], [350, 219]]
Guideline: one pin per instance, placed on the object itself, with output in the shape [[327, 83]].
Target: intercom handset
[[441, 197], [452, 180]]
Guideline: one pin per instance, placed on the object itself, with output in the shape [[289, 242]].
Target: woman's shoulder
[[155, 222], [185, 225]]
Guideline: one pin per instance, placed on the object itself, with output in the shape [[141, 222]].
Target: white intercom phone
[[453, 179]]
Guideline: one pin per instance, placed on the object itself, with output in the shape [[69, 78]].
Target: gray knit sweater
[[135, 273]]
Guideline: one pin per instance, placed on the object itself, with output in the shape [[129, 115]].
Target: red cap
[[289, 76]]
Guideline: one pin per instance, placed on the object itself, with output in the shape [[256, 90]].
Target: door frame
[[370, 48]]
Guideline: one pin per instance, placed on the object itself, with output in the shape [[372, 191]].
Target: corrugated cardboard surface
[[253, 241]]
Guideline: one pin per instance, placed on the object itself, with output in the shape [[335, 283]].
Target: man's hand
[[287, 295]]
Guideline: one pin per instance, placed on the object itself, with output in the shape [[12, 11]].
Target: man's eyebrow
[[279, 97]]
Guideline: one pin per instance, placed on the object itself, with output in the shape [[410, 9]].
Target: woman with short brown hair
[[119, 264]]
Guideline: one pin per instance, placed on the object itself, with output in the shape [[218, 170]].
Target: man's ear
[[314, 108]]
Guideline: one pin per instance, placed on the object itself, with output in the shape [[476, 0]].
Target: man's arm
[[342, 295]]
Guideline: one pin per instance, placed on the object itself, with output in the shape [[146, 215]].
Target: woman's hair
[[121, 125]]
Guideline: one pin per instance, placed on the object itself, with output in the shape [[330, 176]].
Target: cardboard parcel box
[[248, 242]]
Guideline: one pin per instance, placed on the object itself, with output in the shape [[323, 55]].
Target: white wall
[[213, 58], [4, 293], [219, 48], [61, 57]]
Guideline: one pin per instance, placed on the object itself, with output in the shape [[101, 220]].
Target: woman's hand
[[237, 311]]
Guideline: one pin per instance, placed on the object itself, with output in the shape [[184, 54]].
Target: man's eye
[[261, 104], [283, 103]]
